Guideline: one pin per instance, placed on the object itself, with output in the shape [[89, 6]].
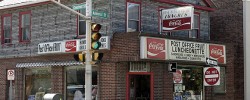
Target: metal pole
[[246, 42], [10, 90], [88, 68]]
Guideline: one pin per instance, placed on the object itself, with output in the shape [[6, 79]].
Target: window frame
[[195, 29], [2, 29], [20, 27], [78, 35], [127, 16]]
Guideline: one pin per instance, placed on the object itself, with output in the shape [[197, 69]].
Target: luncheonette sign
[[180, 18], [69, 46], [155, 48], [169, 49], [186, 50]]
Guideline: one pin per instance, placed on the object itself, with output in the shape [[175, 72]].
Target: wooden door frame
[[140, 73]]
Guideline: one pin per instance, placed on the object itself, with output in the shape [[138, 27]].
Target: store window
[[75, 81], [6, 28], [37, 83], [133, 17], [188, 83], [25, 26]]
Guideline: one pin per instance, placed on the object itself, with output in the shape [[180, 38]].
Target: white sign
[[50, 47], [211, 76], [210, 61], [180, 18], [10, 74], [105, 41], [186, 50], [177, 76]]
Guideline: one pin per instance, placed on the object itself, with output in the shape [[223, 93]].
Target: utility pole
[[88, 68], [246, 42]]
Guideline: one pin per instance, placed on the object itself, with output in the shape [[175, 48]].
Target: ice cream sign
[[180, 18], [170, 49]]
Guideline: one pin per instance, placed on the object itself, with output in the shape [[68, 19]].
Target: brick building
[[136, 64]]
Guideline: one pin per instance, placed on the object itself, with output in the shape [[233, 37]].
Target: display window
[[75, 81], [188, 83], [37, 83]]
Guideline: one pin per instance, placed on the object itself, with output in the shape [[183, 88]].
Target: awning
[[48, 64]]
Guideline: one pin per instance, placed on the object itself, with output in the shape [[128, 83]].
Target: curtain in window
[[81, 23], [133, 17]]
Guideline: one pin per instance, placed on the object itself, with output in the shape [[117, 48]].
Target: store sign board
[[50, 47], [211, 76], [10, 74], [180, 18], [177, 76], [153, 48], [70, 46], [217, 52], [186, 50]]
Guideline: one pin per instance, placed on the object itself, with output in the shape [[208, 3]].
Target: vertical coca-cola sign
[[180, 18], [156, 48], [217, 52]]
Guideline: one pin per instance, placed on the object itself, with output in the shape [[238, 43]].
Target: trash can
[[53, 96]]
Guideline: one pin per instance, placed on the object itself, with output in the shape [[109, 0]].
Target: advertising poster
[[186, 50]]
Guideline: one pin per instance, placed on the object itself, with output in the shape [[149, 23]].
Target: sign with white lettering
[[217, 52], [211, 76], [180, 18], [50, 47], [186, 50]]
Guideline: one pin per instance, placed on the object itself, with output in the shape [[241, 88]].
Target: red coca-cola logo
[[156, 48], [70, 46], [217, 52]]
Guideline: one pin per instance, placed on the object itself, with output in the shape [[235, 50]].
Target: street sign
[[99, 14], [79, 6], [177, 76], [10, 75], [211, 76], [210, 61]]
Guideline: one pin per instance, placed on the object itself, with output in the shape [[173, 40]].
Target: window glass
[[188, 82], [75, 80], [7, 29], [37, 82], [25, 27], [81, 23], [133, 17]]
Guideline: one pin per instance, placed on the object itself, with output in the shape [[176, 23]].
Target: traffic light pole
[[88, 66]]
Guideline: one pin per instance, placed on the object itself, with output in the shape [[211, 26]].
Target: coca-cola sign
[[70, 46], [177, 18], [156, 48], [217, 52]]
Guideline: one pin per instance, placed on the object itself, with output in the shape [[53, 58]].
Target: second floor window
[[25, 26], [133, 17], [6, 29], [81, 23], [194, 33]]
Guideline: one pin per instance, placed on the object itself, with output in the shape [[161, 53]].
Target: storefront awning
[[48, 64]]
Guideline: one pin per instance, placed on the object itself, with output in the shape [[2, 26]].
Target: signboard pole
[[10, 90], [88, 68]]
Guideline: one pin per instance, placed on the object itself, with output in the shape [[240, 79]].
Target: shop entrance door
[[139, 87]]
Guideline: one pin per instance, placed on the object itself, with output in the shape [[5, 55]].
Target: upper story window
[[6, 28], [133, 17], [194, 33], [25, 26], [81, 24]]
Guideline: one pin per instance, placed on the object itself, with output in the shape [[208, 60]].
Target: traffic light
[[172, 67], [79, 57], [97, 56], [95, 36]]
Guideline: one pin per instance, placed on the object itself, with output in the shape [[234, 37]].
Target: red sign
[[70, 46], [217, 52], [156, 48], [177, 24], [180, 18], [177, 76], [211, 76]]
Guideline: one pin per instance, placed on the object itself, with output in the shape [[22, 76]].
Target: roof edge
[[21, 4]]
